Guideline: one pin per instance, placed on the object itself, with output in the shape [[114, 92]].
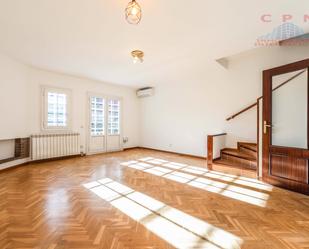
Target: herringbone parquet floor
[[145, 199]]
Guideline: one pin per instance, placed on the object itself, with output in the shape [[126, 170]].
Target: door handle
[[266, 126]]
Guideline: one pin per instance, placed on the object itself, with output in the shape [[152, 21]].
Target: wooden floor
[[145, 199]]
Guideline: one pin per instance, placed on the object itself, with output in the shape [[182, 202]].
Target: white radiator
[[45, 146]]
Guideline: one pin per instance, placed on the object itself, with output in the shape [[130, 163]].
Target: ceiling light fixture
[[138, 56], [133, 12]]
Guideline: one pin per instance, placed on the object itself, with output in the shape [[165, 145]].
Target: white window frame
[[119, 117], [44, 115], [106, 97], [104, 116]]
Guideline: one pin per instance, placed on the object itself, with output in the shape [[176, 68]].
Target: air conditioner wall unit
[[145, 92]]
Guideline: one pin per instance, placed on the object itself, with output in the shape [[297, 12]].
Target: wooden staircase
[[244, 157]]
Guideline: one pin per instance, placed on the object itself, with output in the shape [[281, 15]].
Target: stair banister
[[255, 104]]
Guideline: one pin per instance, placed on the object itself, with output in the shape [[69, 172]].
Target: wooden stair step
[[249, 146], [230, 163], [250, 149], [238, 154], [240, 158]]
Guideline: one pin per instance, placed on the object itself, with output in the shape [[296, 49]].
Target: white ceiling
[[91, 38]]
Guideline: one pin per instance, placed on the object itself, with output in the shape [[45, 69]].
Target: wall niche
[[14, 149]]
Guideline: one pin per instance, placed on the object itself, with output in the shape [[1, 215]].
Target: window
[[56, 109], [97, 116], [113, 117]]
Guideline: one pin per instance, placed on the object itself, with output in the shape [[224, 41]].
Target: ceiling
[[90, 38]]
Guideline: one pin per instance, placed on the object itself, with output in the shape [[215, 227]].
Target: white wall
[[177, 118], [181, 114], [20, 101], [80, 88], [14, 100]]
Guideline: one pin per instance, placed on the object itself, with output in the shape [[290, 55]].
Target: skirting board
[[18, 162], [56, 158], [166, 151], [14, 163]]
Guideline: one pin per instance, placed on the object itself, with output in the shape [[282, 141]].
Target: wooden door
[[285, 126]]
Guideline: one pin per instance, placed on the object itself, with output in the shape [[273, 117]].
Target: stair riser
[[240, 161], [247, 151], [247, 146]]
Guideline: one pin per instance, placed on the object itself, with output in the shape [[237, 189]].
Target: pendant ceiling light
[[133, 12], [138, 56]]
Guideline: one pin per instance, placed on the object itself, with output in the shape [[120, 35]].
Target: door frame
[[267, 116], [106, 97]]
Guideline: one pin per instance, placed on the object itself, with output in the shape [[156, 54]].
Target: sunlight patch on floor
[[145, 159], [163, 170], [146, 165], [195, 170], [223, 189], [207, 180], [129, 163], [135, 166], [180, 177], [176, 178], [155, 171], [175, 165], [157, 161], [174, 226], [105, 193], [239, 180]]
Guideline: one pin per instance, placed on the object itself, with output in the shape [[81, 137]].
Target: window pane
[[57, 109], [289, 111], [97, 116], [113, 117]]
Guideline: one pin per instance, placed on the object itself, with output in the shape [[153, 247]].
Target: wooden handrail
[[254, 104], [242, 111], [218, 135]]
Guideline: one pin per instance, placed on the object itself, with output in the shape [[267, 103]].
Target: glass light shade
[[135, 60], [133, 12]]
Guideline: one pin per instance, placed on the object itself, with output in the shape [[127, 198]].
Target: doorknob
[[266, 126]]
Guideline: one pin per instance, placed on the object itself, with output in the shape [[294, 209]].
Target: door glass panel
[[113, 117], [97, 116], [289, 110]]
